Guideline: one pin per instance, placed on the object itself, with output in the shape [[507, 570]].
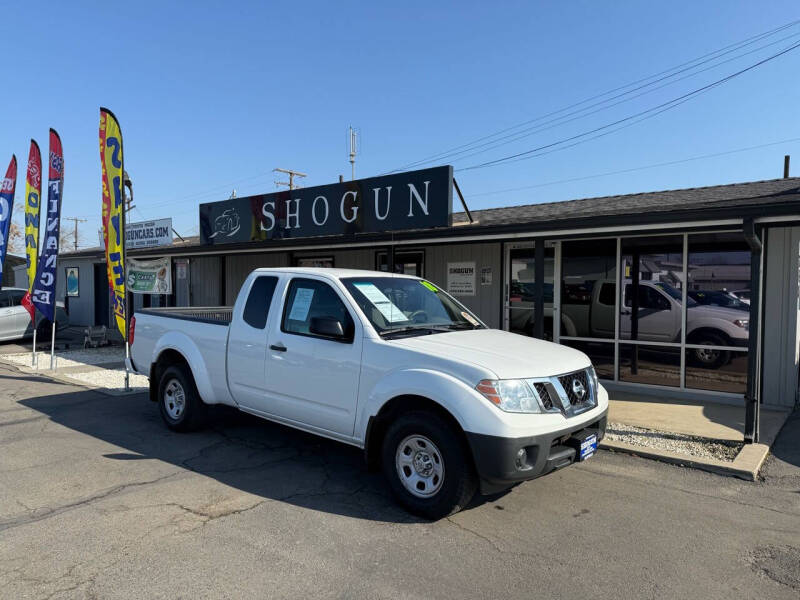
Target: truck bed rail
[[214, 315]]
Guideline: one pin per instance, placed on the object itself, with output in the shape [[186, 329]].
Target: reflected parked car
[[15, 322], [718, 298], [743, 295]]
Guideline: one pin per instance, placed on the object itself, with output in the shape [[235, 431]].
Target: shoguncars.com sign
[[148, 234], [413, 200]]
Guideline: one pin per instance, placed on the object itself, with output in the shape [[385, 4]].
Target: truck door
[[312, 378], [656, 315], [247, 344]]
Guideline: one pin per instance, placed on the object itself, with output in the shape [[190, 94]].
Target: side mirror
[[326, 326]]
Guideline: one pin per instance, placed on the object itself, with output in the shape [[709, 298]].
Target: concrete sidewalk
[[699, 418]]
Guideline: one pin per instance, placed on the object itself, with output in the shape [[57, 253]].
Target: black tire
[[710, 359], [191, 414], [459, 481]]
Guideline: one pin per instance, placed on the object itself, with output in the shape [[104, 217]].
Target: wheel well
[[376, 429], [166, 359], [697, 334]]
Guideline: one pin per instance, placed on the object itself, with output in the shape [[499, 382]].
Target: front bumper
[[496, 457]]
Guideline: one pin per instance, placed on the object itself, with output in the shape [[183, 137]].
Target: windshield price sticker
[[301, 304], [381, 302]]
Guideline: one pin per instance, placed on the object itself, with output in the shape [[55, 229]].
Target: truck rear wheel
[[428, 468], [178, 400]]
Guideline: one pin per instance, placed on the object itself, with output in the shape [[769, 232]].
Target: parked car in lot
[[388, 363], [718, 298], [15, 322]]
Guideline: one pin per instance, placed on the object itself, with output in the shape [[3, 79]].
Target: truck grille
[[576, 386], [544, 395]]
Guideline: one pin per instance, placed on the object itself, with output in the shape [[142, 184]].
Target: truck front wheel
[[178, 400], [427, 465]]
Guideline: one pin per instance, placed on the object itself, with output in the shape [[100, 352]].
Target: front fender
[[185, 346], [469, 408]]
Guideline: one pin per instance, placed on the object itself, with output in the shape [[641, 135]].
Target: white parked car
[[389, 363], [15, 321]]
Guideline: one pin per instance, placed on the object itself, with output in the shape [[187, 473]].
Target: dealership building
[[688, 293]]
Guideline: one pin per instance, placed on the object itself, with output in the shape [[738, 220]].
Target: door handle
[[278, 347]]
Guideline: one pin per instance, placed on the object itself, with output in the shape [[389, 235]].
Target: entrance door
[[102, 295], [520, 289]]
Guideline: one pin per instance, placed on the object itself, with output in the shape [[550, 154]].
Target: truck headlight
[[743, 323], [510, 395]]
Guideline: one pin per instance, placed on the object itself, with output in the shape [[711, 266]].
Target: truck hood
[[717, 312], [508, 355]]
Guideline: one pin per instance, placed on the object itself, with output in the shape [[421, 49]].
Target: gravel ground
[[676, 442], [70, 358], [110, 378]]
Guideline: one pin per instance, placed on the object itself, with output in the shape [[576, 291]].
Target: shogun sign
[[412, 200], [148, 234]]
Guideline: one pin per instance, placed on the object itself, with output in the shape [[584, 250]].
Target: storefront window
[[407, 263], [653, 365], [651, 307], [725, 373], [588, 288]]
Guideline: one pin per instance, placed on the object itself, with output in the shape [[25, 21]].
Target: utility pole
[[75, 220], [291, 174], [126, 182], [353, 141]]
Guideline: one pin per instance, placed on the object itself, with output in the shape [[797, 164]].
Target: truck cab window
[[310, 298], [257, 307]]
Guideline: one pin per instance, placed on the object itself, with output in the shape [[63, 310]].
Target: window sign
[[302, 302], [486, 276], [73, 282], [461, 278], [390, 312]]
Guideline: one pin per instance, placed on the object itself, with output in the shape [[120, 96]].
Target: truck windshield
[[668, 289], [399, 304]]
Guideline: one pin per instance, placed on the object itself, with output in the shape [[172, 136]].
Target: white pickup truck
[[388, 363]]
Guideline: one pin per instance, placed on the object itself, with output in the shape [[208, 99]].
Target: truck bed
[[214, 315]]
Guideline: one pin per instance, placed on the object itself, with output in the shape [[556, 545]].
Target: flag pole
[[33, 355], [53, 340], [126, 181]]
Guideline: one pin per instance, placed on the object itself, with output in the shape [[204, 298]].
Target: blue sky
[[212, 96]]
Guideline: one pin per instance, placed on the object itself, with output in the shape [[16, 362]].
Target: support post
[[538, 289], [752, 406], [635, 267]]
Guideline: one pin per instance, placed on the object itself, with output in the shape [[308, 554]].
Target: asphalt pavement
[[99, 500]]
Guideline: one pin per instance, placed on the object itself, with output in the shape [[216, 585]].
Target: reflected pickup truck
[[391, 364]]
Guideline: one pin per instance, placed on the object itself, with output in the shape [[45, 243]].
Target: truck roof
[[332, 272]]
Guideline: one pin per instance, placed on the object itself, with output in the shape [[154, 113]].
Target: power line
[[553, 123], [645, 114], [676, 69], [633, 169]]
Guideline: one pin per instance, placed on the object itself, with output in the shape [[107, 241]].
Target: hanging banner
[[113, 213], [149, 276], [33, 195], [148, 234], [44, 286], [6, 207]]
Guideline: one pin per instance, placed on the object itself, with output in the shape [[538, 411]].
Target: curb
[[55, 376], [745, 466]]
